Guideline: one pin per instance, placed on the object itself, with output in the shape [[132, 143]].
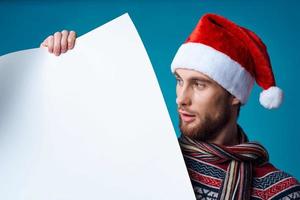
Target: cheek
[[208, 103], [203, 102], [219, 105], [177, 89]]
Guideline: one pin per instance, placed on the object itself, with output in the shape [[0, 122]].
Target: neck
[[228, 135]]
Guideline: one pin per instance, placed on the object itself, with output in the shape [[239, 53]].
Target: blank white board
[[90, 124]]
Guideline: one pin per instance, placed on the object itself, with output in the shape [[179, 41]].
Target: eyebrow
[[196, 78]]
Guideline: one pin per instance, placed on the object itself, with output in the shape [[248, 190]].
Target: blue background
[[163, 26]]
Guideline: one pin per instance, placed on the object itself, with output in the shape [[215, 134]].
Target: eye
[[179, 81], [199, 84]]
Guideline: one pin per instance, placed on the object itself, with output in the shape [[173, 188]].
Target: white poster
[[90, 124]]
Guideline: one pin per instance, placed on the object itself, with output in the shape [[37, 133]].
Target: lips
[[186, 116]]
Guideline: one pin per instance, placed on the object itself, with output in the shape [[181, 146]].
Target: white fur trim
[[217, 65], [271, 98]]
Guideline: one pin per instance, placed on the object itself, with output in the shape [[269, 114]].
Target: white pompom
[[271, 98]]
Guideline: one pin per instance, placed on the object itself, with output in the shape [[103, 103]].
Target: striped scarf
[[241, 158]]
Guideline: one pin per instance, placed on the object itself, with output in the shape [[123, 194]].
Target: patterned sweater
[[268, 182]]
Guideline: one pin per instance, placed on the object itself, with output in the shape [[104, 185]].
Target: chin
[[196, 131], [190, 129]]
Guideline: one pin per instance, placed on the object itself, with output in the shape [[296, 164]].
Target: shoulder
[[272, 183]]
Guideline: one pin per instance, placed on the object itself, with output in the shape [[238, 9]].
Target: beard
[[207, 127]]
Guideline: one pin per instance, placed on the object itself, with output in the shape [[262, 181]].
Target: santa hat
[[231, 55]]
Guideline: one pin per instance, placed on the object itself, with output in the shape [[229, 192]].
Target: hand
[[60, 42]]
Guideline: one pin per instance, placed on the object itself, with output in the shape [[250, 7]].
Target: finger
[[57, 46], [64, 41], [71, 39], [50, 43], [44, 43]]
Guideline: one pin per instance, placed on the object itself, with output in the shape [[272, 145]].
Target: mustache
[[180, 109]]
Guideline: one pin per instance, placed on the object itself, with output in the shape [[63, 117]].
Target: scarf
[[237, 182]]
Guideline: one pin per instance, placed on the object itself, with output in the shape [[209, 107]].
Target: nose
[[183, 96]]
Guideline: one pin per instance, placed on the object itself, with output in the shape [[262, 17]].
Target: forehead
[[191, 74]]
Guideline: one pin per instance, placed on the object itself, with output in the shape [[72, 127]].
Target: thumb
[[44, 43]]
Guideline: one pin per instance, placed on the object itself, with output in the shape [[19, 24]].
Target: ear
[[235, 101]]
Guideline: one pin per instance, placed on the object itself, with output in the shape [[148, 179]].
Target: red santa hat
[[231, 55]]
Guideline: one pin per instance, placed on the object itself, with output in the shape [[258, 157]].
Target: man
[[215, 70]]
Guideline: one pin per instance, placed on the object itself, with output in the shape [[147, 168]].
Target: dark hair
[[238, 110], [239, 105]]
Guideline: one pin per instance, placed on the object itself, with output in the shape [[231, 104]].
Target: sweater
[[267, 181]]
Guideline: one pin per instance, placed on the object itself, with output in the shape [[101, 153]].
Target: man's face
[[204, 106]]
